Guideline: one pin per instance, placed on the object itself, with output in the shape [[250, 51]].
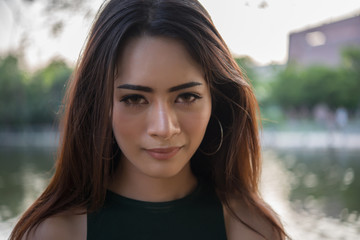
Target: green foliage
[[297, 87], [30, 99], [247, 66], [12, 92], [46, 90], [351, 58]]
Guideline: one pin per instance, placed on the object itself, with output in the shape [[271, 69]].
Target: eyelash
[[136, 100], [133, 99], [192, 96]]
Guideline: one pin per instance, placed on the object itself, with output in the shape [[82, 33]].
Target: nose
[[163, 122]]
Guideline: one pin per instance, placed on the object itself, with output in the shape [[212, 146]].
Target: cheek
[[124, 126], [194, 125], [196, 122]]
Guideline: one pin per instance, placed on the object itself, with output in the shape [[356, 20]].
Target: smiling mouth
[[163, 153]]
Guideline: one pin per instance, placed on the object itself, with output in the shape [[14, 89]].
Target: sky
[[255, 28]]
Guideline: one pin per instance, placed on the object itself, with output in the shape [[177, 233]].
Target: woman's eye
[[187, 98], [134, 100]]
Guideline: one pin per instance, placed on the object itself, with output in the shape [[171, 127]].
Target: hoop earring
[[221, 140]]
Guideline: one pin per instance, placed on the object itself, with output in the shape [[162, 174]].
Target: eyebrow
[[148, 89], [136, 87]]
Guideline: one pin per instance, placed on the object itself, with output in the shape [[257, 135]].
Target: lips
[[163, 153]]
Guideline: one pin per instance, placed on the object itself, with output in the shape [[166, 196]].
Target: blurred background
[[302, 57]]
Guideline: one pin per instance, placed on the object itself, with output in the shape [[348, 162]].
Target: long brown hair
[[88, 154]]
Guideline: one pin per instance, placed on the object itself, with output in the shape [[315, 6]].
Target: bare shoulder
[[237, 230], [67, 225]]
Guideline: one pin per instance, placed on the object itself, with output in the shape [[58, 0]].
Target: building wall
[[323, 44]]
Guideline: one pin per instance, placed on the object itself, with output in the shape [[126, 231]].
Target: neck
[[153, 189]]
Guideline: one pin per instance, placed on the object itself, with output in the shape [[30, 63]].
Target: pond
[[316, 192]]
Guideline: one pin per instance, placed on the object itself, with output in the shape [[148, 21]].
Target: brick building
[[323, 44]]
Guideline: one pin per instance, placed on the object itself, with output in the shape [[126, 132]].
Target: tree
[[46, 91], [297, 87], [12, 92], [53, 16], [31, 99], [351, 58]]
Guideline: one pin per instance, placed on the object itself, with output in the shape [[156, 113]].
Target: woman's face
[[162, 106]]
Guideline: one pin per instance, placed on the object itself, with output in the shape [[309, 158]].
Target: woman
[[159, 135]]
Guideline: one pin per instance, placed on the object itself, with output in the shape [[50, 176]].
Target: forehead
[[156, 61]]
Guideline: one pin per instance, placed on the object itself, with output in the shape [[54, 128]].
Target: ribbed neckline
[[118, 199]]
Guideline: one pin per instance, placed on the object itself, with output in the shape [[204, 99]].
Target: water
[[315, 191], [24, 174]]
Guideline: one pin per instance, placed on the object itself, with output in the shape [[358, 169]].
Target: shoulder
[[237, 230], [67, 225]]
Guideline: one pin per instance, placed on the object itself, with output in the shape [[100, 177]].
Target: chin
[[163, 172]]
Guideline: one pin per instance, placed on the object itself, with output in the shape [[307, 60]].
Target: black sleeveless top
[[196, 216]]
